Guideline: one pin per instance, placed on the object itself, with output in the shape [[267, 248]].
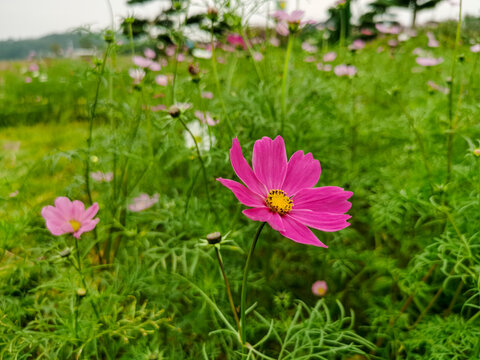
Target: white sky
[[21, 19]]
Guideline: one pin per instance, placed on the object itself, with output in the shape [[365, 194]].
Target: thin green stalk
[[244, 284], [284, 82], [450, 133], [82, 277], [202, 164], [343, 29], [227, 286]]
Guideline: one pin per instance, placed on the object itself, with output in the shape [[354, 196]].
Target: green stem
[[229, 292], [284, 81], [244, 284], [217, 83], [202, 164]]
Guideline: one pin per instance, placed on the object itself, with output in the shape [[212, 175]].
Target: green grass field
[[403, 278]]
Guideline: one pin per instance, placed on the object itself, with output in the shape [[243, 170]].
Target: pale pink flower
[[140, 61], [28, 79], [388, 29], [327, 67], [291, 18], [13, 194], [205, 118], [180, 58], [221, 60], [170, 50], [427, 61], [330, 56], [143, 202], [357, 44], [366, 32], [309, 47], [137, 75], [274, 41], [475, 48], [345, 70], [393, 43], [310, 59], [161, 80], [380, 49], [160, 107], [207, 95], [70, 217], [319, 288], [154, 66], [282, 193], [149, 53], [102, 177], [432, 42], [282, 29], [438, 88], [33, 67], [257, 56]]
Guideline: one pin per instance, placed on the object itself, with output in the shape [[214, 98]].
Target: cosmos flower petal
[[264, 214], [90, 213], [270, 161], [330, 199], [86, 226], [303, 171], [65, 206], [299, 232], [322, 221], [244, 195], [78, 209], [244, 171]]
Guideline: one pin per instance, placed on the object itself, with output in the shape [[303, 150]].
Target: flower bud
[[476, 152], [65, 253], [174, 111], [212, 13], [81, 292], [214, 238]]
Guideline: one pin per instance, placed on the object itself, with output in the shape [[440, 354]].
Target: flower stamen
[[278, 201], [75, 225]]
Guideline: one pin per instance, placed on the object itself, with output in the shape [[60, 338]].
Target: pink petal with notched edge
[[86, 226], [303, 171], [270, 161], [295, 16], [331, 199], [244, 195], [299, 232], [90, 213], [264, 214], [78, 210], [321, 221], [244, 171], [65, 206]]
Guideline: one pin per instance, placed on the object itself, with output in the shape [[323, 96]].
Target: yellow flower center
[[75, 225], [279, 202]]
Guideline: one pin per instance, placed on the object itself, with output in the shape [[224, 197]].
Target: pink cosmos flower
[[33, 67], [170, 50], [393, 43], [292, 18], [137, 75], [475, 48], [426, 61], [206, 118], [319, 288], [143, 202], [149, 53], [257, 56], [282, 29], [434, 86], [160, 107], [140, 61], [282, 192], [388, 29], [330, 56], [180, 58], [345, 70], [154, 66], [207, 95], [432, 42], [236, 40], [100, 176], [310, 59], [28, 79], [274, 41], [70, 217], [366, 32], [161, 80], [357, 44], [309, 47]]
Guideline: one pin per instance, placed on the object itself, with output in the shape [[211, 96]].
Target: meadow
[[147, 143]]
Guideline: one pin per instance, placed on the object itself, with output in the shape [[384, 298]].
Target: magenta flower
[[206, 118], [319, 288], [70, 217], [426, 61], [345, 70], [475, 48], [236, 40], [282, 192], [143, 202]]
